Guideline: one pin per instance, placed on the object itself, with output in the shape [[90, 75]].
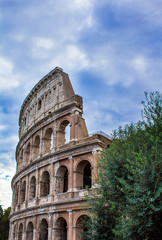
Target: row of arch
[[40, 103], [33, 150], [84, 180], [60, 228]]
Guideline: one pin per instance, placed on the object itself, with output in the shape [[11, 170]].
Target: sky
[[111, 49]]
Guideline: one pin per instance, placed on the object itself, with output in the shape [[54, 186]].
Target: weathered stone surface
[[52, 173]]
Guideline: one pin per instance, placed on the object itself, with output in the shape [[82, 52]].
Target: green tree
[[126, 203], [4, 223]]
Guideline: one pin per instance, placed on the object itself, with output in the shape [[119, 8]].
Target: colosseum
[[56, 163]]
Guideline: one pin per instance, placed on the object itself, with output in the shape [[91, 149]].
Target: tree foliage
[[126, 203], [4, 223]]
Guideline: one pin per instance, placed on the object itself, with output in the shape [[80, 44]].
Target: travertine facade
[[52, 172]]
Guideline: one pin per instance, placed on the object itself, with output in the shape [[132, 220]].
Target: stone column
[[35, 234], [11, 231], [54, 135], [70, 225], [70, 176], [50, 227], [36, 230], [95, 152], [27, 191], [19, 194], [52, 182], [72, 127], [24, 235], [37, 191], [41, 143]]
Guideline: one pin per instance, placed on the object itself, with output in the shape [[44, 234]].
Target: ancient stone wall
[[56, 162]]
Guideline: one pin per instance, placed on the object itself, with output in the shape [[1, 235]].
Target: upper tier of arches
[[52, 92], [50, 138]]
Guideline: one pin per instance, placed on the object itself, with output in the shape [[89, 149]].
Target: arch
[[45, 184], [48, 140], [62, 180], [83, 175], [39, 104], [43, 235], [64, 132], [61, 229], [23, 192], [36, 146], [28, 152], [16, 195], [20, 233], [32, 190], [21, 155], [14, 232], [81, 226], [30, 231]]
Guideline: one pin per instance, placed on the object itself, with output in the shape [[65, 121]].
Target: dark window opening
[[32, 188], [61, 229], [45, 184], [23, 192], [30, 231], [43, 235], [39, 104], [65, 189], [87, 183]]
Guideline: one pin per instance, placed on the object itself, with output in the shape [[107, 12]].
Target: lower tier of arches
[[67, 225]]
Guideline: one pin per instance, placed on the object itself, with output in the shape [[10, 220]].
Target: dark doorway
[[87, 183]]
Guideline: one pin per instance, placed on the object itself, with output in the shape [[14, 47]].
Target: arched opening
[[45, 184], [61, 229], [84, 175], [28, 152], [39, 104], [30, 231], [43, 235], [67, 133], [32, 190], [48, 140], [21, 155], [62, 180], [24, 122], [87, 176], [82, 227], [36, 146], [23, 192], [14, 232], [16, 195], [64, 132], [20, 233]]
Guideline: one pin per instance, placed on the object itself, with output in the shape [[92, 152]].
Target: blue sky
[[111, 50]]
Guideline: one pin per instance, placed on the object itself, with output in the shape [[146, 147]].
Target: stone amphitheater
[[56, 162]]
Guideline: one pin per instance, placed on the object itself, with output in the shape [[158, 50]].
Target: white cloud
[[82, 4], [8, 143], [73, 58], [8, 78], [3, 127], [140, 64], [43, 43], [7, 171]]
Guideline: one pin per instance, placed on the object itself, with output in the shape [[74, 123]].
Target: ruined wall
[[53, 167]]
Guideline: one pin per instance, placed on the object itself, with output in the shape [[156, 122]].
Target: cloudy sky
[[111, 50]]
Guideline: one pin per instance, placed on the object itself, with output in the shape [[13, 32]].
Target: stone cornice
[[45, 208]]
